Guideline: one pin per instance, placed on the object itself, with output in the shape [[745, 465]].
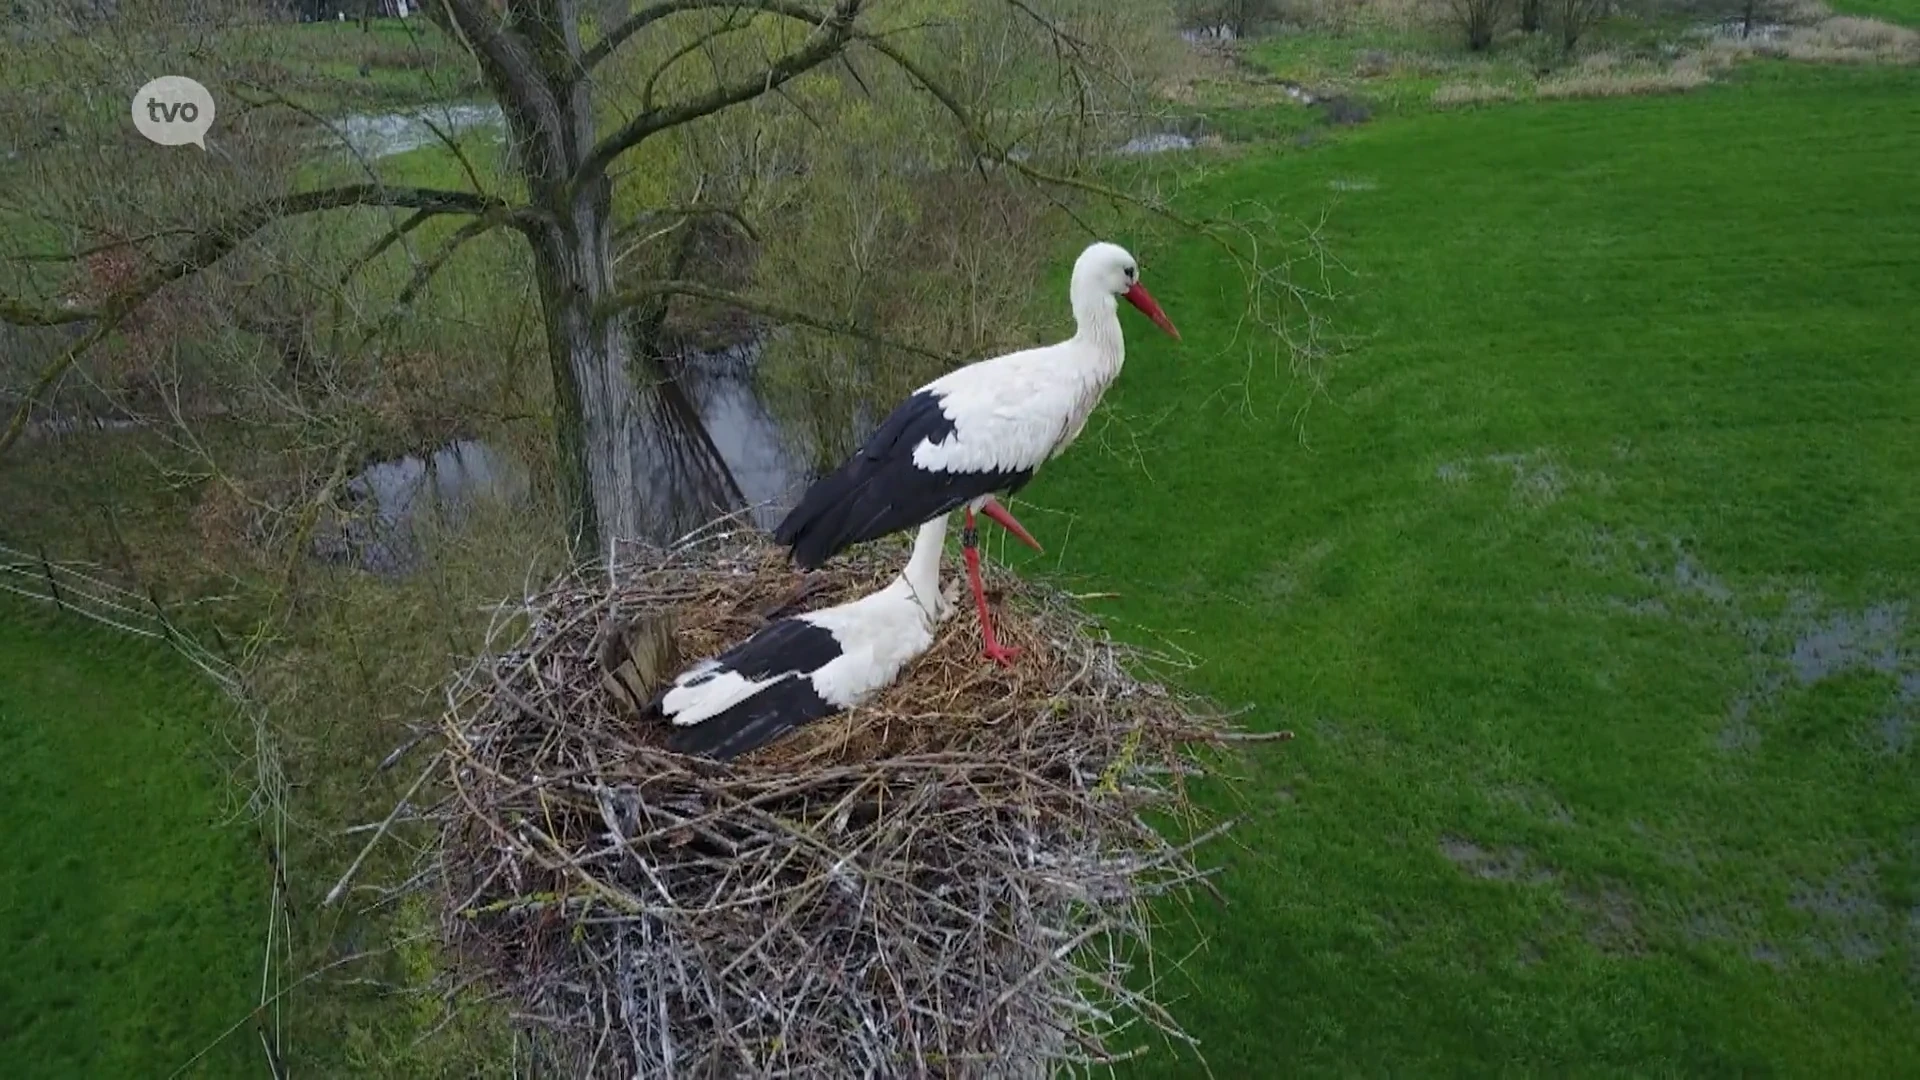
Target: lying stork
[[977, 431], [796, 670]]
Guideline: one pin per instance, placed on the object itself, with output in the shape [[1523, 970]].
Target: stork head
[[1106, 269]]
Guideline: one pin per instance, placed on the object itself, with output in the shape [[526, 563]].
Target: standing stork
[[796, 670], [976, 431]]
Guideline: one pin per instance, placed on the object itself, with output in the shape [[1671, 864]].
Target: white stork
[[796, 670], [977, 431]]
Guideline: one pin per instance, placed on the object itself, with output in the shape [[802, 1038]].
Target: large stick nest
[[951, 880]]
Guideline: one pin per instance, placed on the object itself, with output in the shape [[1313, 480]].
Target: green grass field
[[1591, 596], [1905, 12], [133, 918]]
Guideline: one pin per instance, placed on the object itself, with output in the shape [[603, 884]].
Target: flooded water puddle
[[1737, 29], [376, 136], [1795, 639], [1157, 143], [1503, 864], [1819, 648], [1851, 923], [1868, 640], [1690, 576], [1200, 34], [1538, 476]]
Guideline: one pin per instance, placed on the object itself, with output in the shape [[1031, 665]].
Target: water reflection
[[768, 461], [391, 502]]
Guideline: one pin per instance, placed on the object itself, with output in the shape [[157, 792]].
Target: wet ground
[[1820, 676]]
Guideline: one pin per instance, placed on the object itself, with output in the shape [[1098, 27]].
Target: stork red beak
[[1138, 296], [998, 513]]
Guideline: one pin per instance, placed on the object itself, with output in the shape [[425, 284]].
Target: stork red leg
[[970, 546]]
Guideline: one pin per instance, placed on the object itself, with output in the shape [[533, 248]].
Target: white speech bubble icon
[[173, 110]]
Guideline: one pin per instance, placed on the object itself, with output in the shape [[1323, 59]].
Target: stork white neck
[[1096, 315], [921, 578]]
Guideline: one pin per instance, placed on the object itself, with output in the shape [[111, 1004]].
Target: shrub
[[1846, 32], [1372, 63], [1839, 40], [1623, 84], [1345, 111]]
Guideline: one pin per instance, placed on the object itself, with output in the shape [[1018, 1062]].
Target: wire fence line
[[79, 589]]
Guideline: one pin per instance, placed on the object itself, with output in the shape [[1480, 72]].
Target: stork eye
[[1130, 273]]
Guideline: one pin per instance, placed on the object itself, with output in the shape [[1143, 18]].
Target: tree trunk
[[1529, 15], [610, 13], [636, 462]]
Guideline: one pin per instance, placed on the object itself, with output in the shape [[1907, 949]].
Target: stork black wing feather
[[782, 647], [786, 653], [786, 705], [879, 490]]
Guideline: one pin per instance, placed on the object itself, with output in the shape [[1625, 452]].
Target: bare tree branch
[[388, 239], [642, 292], [102, 248], [510, 68], [984, 145], [831, 36], [653, 13], [681, 53], [459, 152], [21, 313], [650, 317], [611, 39], [423, 274], [51, 374], [210, 246], [1264, 280], [695, 210]]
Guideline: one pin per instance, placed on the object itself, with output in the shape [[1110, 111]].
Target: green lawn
[[1906, 12], [1594, 598], [132, 917]]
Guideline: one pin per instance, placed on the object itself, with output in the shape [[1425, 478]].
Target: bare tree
[[1573, 18], [1240, 17], [1754, 12], [1479, 20]]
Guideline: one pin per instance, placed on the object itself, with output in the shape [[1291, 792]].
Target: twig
[[354, 867]]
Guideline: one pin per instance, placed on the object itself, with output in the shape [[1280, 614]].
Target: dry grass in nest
[[952, 880]]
